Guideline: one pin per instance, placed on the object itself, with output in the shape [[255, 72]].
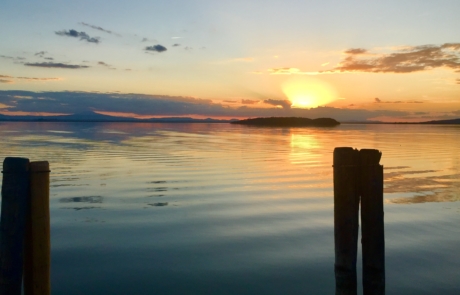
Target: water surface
[[140, 208]]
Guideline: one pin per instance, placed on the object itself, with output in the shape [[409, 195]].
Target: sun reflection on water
[[304, 148]]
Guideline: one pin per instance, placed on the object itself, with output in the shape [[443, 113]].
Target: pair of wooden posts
[[25, 225], [25, 228], [358, 178]]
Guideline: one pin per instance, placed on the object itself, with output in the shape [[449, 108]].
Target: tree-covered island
[[289, 122]]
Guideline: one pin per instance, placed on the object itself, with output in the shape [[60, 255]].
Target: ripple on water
[[222, 209]]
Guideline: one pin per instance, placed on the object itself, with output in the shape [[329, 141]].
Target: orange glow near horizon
[[308, 92], [32, 114], [194, 116]]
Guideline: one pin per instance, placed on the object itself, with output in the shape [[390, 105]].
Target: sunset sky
[[350, 60]]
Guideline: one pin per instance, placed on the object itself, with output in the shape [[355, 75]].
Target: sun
[[308, 92]]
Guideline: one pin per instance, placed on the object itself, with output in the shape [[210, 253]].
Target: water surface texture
[[223, 209]]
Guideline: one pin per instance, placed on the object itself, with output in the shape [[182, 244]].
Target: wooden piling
[[37, 236], [346, 219], [372, 227], [15, 195]]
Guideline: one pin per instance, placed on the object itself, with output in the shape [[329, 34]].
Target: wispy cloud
[[15, 58], [6, 81], [284, 71], [39, 79], [285, 104], [42, 55], [148, 40], [100, 29], [249, 101], [405, 60], [405, 101], [176, 44], [101, 63], [55, 65], [289, 71], [156, 48], [76, 34], [378, 100], [356, 51], [10, 79]]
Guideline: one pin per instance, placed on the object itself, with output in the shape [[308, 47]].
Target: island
[[288, 122]]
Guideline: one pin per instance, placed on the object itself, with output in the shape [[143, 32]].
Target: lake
[[144, 208]]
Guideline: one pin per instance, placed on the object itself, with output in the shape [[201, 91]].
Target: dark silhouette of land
[[289, 122], [96, 117], [90, 116], [452, 121], [434, 122]]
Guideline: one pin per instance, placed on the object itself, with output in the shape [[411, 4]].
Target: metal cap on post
[[15, 195]]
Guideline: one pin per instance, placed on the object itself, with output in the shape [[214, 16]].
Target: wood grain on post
[[37, 238], [15, 195], [346, 219], [372, 228]]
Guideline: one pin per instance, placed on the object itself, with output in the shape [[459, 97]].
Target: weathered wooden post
[[15, 195], [346, 219], [358, 177], [37, 235], [372, 228]]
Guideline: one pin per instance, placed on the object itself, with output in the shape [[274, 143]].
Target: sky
[[350, 60]]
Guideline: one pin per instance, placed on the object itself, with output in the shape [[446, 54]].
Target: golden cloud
[[405, 60]]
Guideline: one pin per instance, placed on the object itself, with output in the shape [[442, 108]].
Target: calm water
[[222, 209]]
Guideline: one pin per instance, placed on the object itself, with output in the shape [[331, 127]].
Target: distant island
[[90, 116], [288, 122], [452, 121], [434, 122]]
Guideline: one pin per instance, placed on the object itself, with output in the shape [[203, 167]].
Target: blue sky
[[225, 54]]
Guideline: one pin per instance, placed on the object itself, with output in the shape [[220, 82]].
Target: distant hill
[[452, 121], [289, 122], [90, 116], [95, 117], [434, 122]]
